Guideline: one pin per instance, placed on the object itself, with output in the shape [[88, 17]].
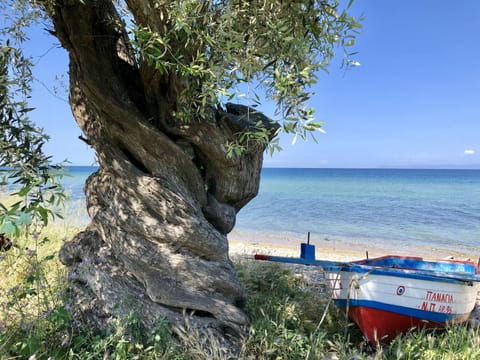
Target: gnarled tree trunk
[[165, 195]]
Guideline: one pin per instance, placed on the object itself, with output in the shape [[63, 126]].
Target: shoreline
[[246, 249], [288, 243], [341, 251]]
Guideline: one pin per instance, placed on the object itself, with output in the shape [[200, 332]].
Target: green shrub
[[290, 318]]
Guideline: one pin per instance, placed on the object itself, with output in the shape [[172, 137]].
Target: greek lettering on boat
[[437, 302], [439, 297]]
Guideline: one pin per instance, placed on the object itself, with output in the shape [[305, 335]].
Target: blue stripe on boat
[[421, 314]]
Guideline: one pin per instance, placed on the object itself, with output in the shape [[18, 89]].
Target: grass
[[290, 319]]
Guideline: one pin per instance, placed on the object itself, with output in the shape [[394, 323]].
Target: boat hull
[[384, 306], [380, 326], [389, 295]]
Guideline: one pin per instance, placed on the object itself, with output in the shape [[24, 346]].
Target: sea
[[406, 211]]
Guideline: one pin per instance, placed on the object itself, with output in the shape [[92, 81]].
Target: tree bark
[[165, 194]]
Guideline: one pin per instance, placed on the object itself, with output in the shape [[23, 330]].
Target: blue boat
[[389, 295]]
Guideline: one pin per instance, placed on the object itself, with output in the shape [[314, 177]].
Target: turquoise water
[[404, 210]]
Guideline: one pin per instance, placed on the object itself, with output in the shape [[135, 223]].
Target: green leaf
[[48, 258], [8, 228], [24, 219], [43, 214]]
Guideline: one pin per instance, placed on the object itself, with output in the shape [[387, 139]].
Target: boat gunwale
[[360, 266], [419, 274]]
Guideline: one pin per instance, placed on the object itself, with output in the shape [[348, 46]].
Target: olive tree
[[151, 85]]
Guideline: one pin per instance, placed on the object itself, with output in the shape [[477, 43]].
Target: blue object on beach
[[307, 251]]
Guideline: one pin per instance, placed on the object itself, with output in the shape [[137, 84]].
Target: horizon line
[[405, 167]]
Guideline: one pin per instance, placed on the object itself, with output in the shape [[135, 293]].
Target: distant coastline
[[406, 167]]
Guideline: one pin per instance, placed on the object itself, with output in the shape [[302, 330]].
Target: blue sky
[[413, 102]]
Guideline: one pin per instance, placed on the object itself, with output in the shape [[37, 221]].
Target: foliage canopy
[[260, 50]]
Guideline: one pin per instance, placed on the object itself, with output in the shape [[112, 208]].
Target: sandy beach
[[341, 251], [246, 249]]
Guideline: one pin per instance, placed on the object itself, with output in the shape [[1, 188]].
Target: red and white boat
[[390, 295]]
